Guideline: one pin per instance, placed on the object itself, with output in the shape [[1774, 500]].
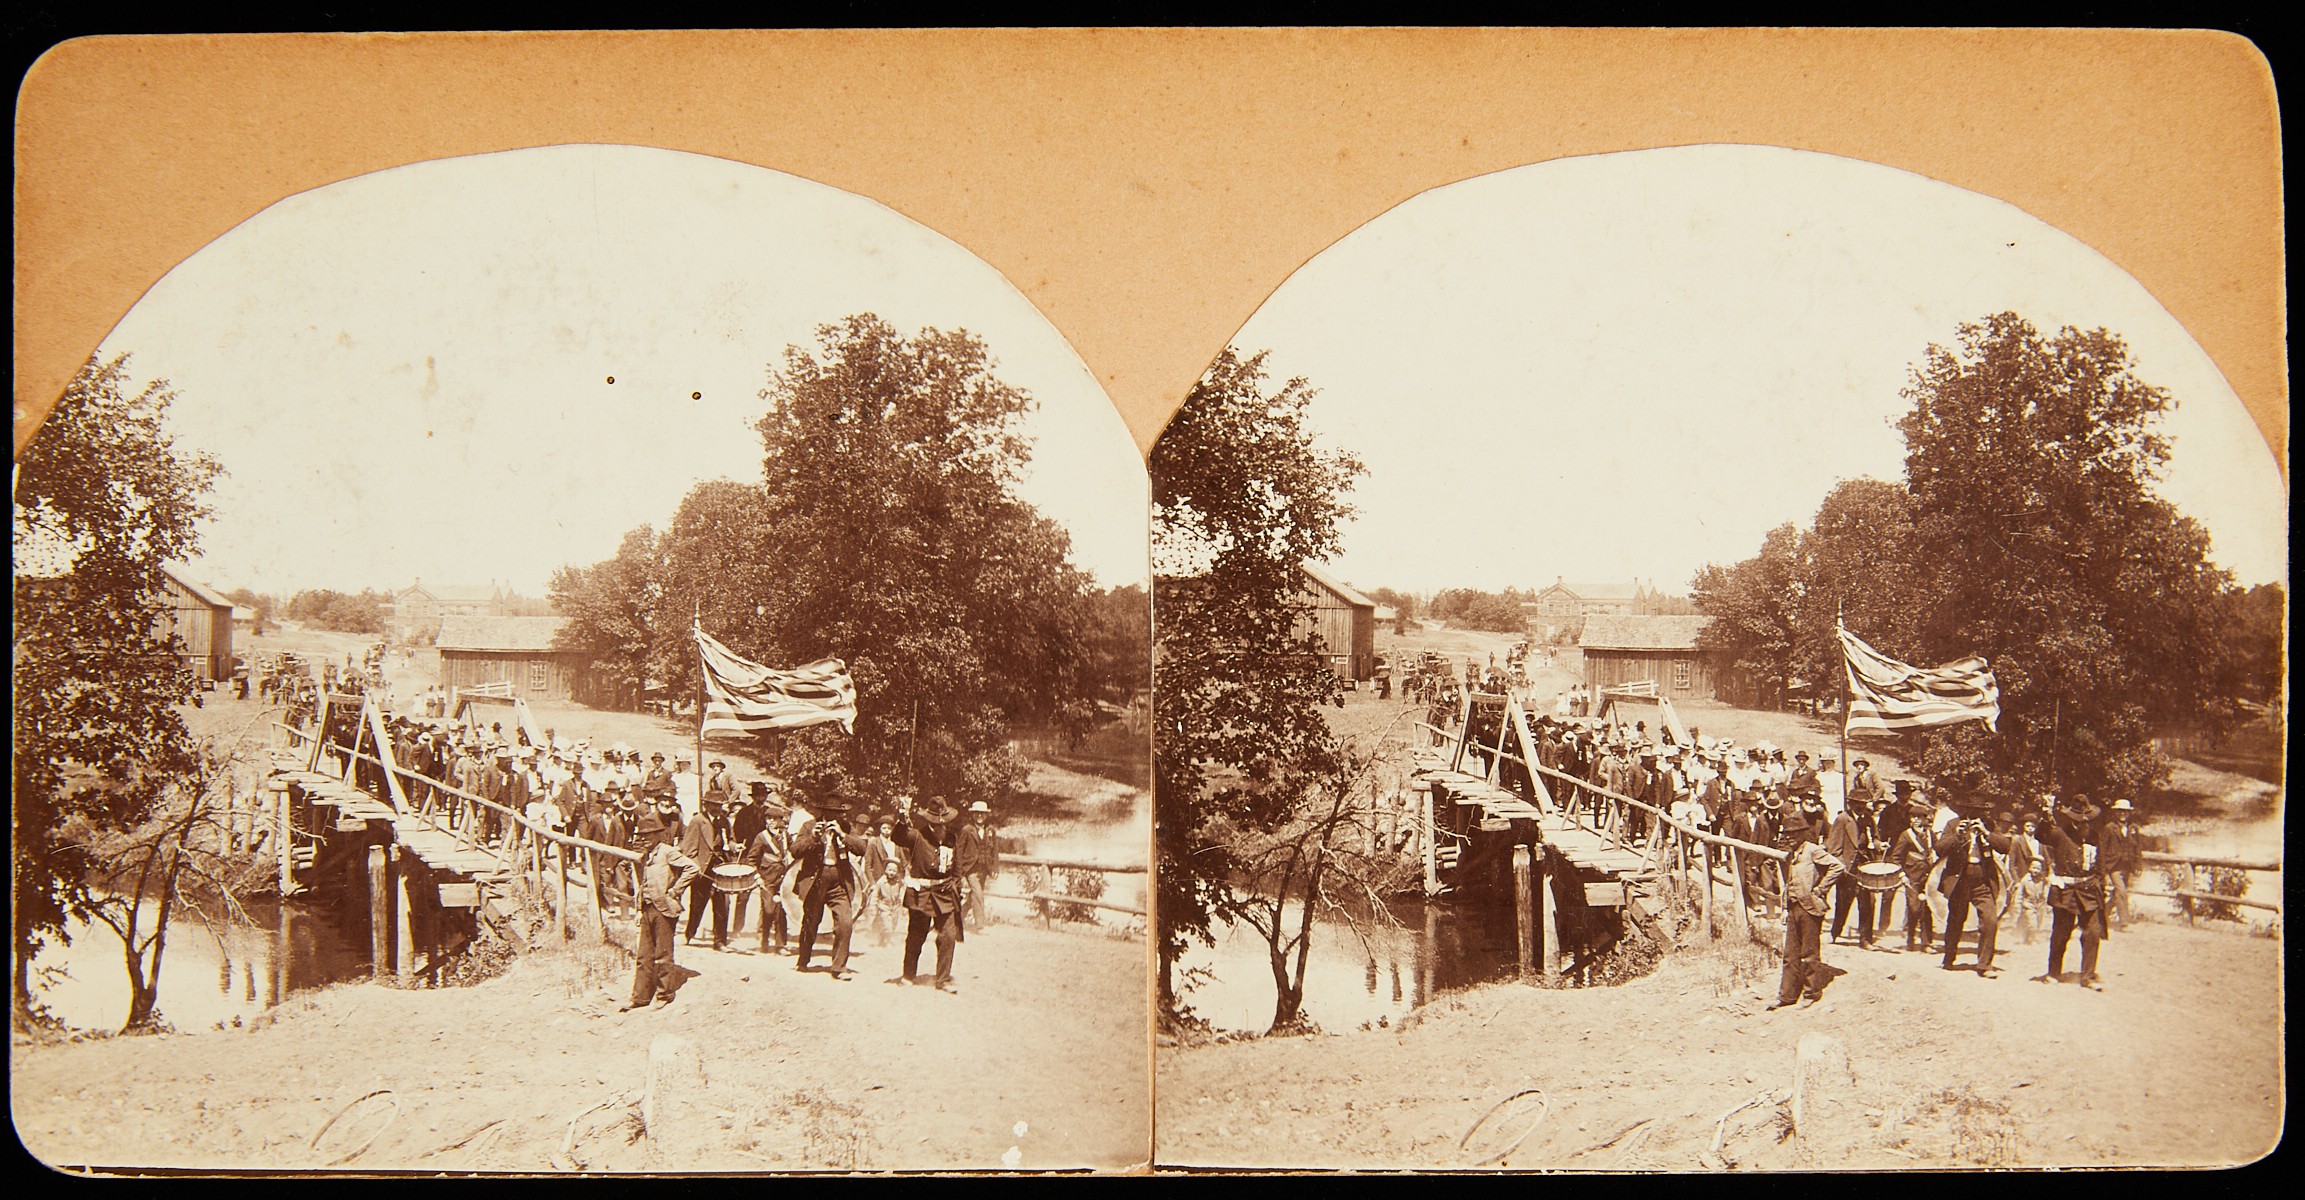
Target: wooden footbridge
[[433, 860], [1503, 824]]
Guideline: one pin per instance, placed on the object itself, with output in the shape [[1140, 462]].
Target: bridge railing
[[541, 853], [1048, 900], [2191, 897], [1751, 873]]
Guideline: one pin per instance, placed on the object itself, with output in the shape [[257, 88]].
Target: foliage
[[2027, 530], [1404, 604], [1242, 499], [2216, 881], [611, 607], [1468, 608], [885, 531], [343, 612], [262, 604], [103, 500], [2039, 543]]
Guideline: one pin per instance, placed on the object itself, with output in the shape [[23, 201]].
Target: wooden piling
[[379, 913], [1549, 920], [403, 935], [1524, 918], [283, 832], [1432, 843]]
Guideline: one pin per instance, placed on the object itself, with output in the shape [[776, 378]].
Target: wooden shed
[[477, 651], [202, 619], [1661, 650], [1343, 623]]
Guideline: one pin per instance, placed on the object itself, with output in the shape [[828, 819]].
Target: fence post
[[565, 931], [599, 894], [1708, 890]]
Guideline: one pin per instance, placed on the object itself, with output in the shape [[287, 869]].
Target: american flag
[[1887, 695], [742, 696]]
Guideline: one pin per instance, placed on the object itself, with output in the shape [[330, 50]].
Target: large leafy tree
[[612, 608], [2039, 542], [1756, 606], [892, 537], [104, 499], [1242, 499]]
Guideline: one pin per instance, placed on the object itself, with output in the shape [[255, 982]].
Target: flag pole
[[1843, 647], [700, 668]]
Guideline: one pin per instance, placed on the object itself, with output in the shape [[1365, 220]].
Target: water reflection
[[207, 976], [1383, 970]]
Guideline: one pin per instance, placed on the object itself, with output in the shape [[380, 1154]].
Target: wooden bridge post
[[600, 894], [1548, 919], [284, 831], [379, 913], [1432, 842], [566, 930], [1708, 890], [403, 936], [1524, 919]]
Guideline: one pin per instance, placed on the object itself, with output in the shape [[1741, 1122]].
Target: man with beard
[[2076, 889], [1973, 879], [826, 880], [932, 894]]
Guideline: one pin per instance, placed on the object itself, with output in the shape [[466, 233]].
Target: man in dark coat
[[932, 896], [826, 881], [975, 860], [2076, 889], [700, 840], [1973, 879], [1849, 838], [768, 850]]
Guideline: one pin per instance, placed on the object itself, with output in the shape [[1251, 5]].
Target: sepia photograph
[[1717, 657], [733, 604], [581, 659]]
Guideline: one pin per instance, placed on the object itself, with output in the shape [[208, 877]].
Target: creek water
[[1387, 969], [206, 978]]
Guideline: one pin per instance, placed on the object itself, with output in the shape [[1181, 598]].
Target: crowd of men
[[1888, 852], [710, 844]]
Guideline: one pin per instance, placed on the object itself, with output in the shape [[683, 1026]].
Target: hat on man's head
[[715, 763], [980, 807], [656, 758], [2123, 806], [1902, 787], [936, 809]]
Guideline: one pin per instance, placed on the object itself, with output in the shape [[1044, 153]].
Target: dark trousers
[[1972, 892], [1845, 893], [652, 970], [701, 893], [772, 923], [813, 906], [1920, 922], [1804, 955], [2062, 923], [916, 935]]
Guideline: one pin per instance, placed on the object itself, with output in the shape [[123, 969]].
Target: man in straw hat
[[665, 873], [2122, 853], [975, 859], [825, 878], [932, 895]]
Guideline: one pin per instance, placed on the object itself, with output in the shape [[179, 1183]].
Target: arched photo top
[[493, 365], [1666, 352]]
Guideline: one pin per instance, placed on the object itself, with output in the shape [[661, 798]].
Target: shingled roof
[[498, 633], [1642, 633], [1342, 590]]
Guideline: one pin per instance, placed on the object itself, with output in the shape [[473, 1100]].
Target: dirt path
[[2180, 1060], [802, 1070]]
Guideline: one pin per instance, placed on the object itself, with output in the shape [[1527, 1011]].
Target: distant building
[[476, 651], [1343, 624], [1562, 607], [1661, 650], [420, 607], [201, 617]]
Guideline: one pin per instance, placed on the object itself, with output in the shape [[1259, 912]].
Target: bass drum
[[1880, 877]]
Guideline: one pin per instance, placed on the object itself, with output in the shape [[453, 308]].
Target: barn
[[1343, 623], [201, 618], [1661, 650], [476, 651]]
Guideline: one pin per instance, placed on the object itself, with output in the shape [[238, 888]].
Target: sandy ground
[[802, 1071], [2179, 1061]]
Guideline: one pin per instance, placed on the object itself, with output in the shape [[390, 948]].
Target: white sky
[[1632, 364], [406, 373]]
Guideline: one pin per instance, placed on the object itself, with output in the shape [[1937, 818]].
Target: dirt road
[[2180, 1061], [802, 1071]]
